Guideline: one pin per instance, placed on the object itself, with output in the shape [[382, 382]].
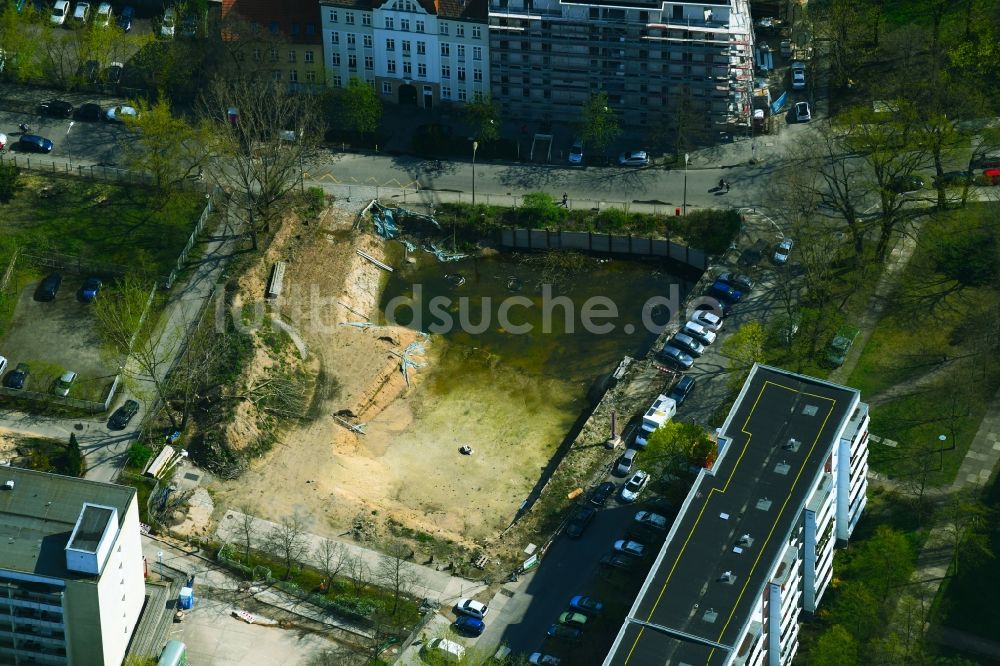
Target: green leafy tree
[[74, 457], [540, 210], [599, 125], [835, 647], [856, 609], [678, 445], [745, 347], [884, 561], [20, 43], [10, 183], [968, 529], [356, 108], [164, 145], [484, 116], [138, 455]]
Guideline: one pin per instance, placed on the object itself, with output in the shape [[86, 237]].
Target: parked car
[[783, 250], [49, 287], [802, 113], [89, 112], [103, 15], [113, 74], [118, 114], [798, 75], [81, 13], [682, 389], [625, 462], [573, 619], [576, 153], [59, 108], [578, 523], [189, 28], [18, 377], [169, 23], [599, 495], [710, 321], [32, 143], [839, 347], [635, 158], [469, 626], [125, 18], [742, 282], [617, 561], [906, 184], [59, 12], [714, 306], [121, 416], [91, 286], [724, 292], [64, 383], [673, 356], [954, 179], [632, 548], [587, 605], [445, 650], [688, 344], [699, 333], [650, 519], [3, 365], [541, 659], [634, 486], [564, 632], [472, 608], [88, 71], [3, 141]]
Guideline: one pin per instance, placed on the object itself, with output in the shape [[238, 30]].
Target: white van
[[448, 650], [661, 411], [169, 23]]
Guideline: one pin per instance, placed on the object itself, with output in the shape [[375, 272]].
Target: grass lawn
[[100, 223]]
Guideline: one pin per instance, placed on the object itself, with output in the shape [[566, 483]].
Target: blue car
[[125, 18], [88, 292], [470, 626], [586, 605], [724, 292], [32, 143]]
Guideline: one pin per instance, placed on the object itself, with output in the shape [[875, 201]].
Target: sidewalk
[[428, 583]]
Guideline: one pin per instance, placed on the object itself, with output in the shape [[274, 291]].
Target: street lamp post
[[68, 149], [687, 157], [475, 147]]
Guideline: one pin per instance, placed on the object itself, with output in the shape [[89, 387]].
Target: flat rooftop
[[697, 598], [37, 518]]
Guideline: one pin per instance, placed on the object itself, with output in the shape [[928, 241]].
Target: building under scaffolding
[[680, 65]]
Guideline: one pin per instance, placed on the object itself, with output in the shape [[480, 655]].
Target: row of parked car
[[60, 108]]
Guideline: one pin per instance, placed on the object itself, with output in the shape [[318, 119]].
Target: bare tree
[[288, 541], [394, 574], [968, 520], [248, 528], [263, 134], [359, 573], [281, 393], [331, 558]]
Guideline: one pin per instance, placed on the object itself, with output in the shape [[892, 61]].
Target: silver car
[[624, 465], [688, 344], [783, 250], [635, 158]]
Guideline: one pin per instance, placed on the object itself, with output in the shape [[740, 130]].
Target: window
[[445, 92], [390, 66], [351, 40], [389, 23], [461, 73], [332, 16], [477, 75], [256, 52], [366, 18], [334, 37], [461, 95], [310, 29], [310, 76], [443, 28], [338, 81], [349, 18], [404, 25], [386, 88], [407, 68], [369, 62], [421, 70], [390, 45], [421, 48], [406, 47], [445, 71], [295, 28], [335, 59], [460, 32], [308, 56], [273, 27], [445, 49], [477, 52], [276, 74], [291, 56], [460, 48], [368, 41], [477, 32], [352, 61], [273, 55], [420, 26], [293, 75]]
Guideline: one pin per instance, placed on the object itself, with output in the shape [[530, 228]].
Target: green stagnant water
[[557, 354]]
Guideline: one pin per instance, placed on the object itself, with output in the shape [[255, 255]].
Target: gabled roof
[[298, 20]]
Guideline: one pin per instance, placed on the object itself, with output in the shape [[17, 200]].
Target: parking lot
[[55, 336]]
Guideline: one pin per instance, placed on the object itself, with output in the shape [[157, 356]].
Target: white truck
[[661, 411]]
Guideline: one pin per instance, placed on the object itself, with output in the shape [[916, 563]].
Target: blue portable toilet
[[186, 598]]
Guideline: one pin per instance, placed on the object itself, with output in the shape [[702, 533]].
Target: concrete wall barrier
[[583, 241]]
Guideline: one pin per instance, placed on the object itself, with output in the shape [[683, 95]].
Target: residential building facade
[[751, 550], [422, 53], [686, 65], [71, 569], [283, 39]]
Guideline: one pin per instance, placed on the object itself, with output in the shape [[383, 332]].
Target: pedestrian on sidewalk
[[565, 200]]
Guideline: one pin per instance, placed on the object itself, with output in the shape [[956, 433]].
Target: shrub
[[138, 455], [540, 210], [711, 230], [9, 181]]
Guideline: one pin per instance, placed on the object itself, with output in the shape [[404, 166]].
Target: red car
[[992, 176]]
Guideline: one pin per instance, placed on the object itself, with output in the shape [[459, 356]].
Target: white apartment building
[[71, 569], [752, 547], [421, 53]]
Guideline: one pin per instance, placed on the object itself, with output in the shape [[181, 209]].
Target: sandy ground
[[407, 467]]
